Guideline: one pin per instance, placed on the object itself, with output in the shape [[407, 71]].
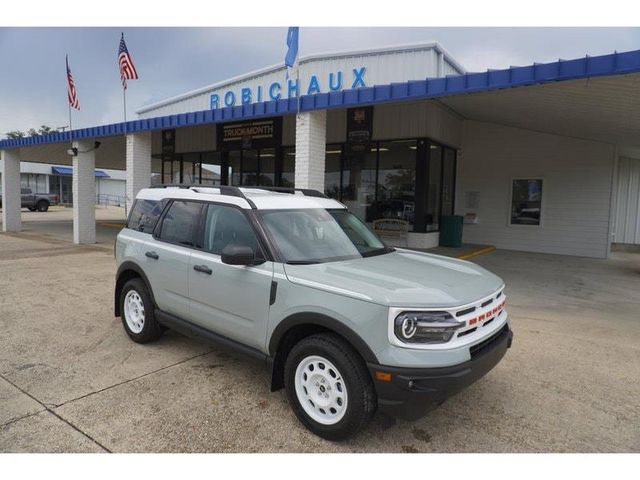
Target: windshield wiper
[[302, 262], [379, 251]]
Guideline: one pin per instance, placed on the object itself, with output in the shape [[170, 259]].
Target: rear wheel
[[31, 209], [42, 206], [137, 310], [328, 386]]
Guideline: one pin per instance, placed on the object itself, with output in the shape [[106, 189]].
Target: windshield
[[317, 235]]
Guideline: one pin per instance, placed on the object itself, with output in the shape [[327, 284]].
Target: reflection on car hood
[[403, 278]]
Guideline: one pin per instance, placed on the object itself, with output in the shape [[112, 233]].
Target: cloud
[[175, 60]]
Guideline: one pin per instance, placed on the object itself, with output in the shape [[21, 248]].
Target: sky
[[171, 61]]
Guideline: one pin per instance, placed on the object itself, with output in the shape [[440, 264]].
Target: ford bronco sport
[[291, 277]]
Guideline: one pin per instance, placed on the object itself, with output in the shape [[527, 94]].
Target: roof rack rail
[[237, 191], [224, 190], [307, 192]]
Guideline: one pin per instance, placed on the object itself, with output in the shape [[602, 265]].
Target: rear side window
[[145, 214], [181, 223]]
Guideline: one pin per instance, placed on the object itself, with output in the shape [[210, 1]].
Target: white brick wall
[[575, 193], [311, 134], [84, 193], [11, 220], [138, 165]]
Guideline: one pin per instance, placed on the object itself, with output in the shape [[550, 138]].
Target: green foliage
[[32, 132]]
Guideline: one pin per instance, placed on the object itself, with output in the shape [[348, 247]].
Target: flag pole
[[70, 126], [68, 102], [298, 72], [124, 102]]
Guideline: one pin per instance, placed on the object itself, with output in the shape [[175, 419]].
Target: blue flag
[[292, 43]]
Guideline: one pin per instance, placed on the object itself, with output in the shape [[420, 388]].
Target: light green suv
[[344, 323]]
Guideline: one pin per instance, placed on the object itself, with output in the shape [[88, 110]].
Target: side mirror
[[238, 255]]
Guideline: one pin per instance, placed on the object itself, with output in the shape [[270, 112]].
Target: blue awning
[[474, 82], [69, 171]]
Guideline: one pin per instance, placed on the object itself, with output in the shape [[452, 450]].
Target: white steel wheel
[[321, 390], [134, 311]]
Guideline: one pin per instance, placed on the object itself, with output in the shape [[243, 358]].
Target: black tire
[[362, 401], [42, 206], [151, 330], [31, 209]]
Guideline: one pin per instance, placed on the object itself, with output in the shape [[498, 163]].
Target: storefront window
[[432, 219], [332, 164], [448, 180], [189, 172], [288, 167], [359, 182], [267, 165], [526, 201], [249, 168], [210, 168], [396, 182], [167, 171], [234, 167]]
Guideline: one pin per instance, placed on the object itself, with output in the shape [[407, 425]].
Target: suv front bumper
[[413, 392]]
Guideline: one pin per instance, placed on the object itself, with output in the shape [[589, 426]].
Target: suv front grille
[[488, 343]]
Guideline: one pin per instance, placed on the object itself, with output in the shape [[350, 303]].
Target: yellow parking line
[[475, 253]]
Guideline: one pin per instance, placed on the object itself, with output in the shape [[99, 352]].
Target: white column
[[311, 139], [138, 165], [11, 201], [84, 193]]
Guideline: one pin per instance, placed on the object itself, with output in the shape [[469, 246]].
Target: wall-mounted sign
[[359, 129], [289, 88], [263, 133], [168, 144]]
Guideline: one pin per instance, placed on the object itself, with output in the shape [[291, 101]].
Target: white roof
[[262, 199]]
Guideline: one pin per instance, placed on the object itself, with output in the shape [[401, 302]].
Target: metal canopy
[[605, 109]]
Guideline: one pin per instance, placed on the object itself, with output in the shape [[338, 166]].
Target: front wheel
[[31, 209], [328, 386]]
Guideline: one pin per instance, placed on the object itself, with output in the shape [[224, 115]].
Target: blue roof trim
[[611, 64], [69, 171]]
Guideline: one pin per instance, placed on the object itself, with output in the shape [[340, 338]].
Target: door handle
[[203, 269], [153, 255]]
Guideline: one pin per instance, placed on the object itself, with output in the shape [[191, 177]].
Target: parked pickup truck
[[35, 201]]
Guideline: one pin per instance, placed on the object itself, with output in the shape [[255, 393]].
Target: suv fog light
[[425, 327]]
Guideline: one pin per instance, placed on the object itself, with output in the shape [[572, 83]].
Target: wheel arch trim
[[124, 267], [321, 320]]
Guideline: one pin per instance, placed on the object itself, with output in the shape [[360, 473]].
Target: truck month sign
[[264, 133]]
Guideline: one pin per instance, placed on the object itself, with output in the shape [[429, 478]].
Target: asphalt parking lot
[[72, 381]]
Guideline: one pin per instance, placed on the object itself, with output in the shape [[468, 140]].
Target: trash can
[[451, 231]]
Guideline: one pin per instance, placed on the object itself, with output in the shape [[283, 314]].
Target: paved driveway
[[71, 380]]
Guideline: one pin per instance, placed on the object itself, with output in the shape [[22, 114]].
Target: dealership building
[[541, 158]]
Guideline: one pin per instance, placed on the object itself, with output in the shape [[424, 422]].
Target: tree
[[15, 134], [32, 132]]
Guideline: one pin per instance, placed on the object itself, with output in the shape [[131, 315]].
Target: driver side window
[[226, 226]]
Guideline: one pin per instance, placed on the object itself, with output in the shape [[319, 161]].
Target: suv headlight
[[425, 327]]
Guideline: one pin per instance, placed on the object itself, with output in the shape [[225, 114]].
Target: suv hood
[[403, 278]]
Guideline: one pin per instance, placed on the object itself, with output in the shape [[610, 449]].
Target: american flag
[[71, 88], [125, 62]]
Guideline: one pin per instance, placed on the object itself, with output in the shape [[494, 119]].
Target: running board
[[192, 330]]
